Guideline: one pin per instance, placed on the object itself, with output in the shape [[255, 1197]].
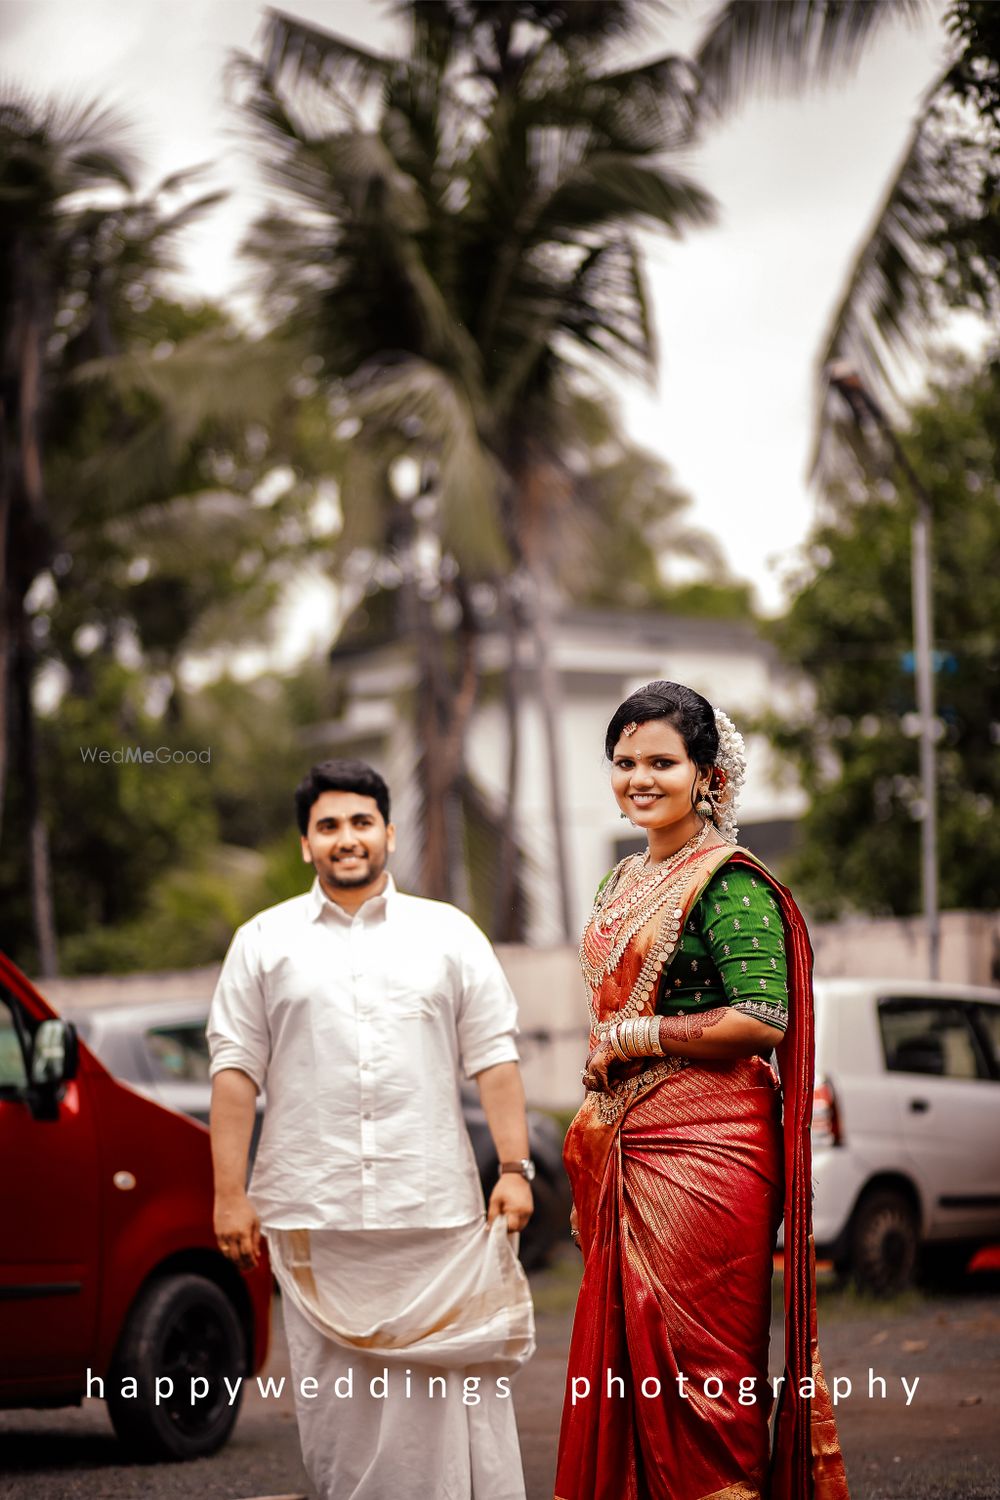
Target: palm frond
[[215, 374], [612, 186], [930, 246], [651, 107], [308, 52], [71, 146], [215, 522], [413, 407], [885, 310], [790, 44], [365, 224], [212, 380]]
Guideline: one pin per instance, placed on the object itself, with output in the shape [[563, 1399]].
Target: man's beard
[[370, 870]]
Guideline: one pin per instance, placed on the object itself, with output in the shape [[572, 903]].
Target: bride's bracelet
[[635, 1038]]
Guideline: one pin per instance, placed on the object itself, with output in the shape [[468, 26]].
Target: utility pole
[[846, 380]]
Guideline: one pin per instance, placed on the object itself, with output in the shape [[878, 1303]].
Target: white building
[[599, 657]]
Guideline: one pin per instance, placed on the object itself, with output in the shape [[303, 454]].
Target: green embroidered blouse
[[732, 952]]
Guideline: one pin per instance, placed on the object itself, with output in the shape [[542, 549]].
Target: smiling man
[[360, 1008]]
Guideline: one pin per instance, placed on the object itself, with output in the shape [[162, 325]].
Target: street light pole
[[847, 382]]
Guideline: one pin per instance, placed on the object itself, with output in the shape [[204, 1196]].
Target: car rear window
[[934, 1038]]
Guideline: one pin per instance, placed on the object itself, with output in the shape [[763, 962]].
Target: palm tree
[[47, 157], [67, 261], [453, 258]]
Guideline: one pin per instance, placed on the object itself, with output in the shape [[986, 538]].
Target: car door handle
[[919, 1106]]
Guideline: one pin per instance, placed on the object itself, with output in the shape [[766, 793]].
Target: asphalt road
[[944, 1446]]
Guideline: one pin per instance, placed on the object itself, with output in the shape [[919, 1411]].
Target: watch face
[[529, 1170]]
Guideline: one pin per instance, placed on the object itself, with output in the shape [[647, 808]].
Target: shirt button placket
[[366, 1059]]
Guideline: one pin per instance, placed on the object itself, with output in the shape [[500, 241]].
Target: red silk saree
[[680, 1180]]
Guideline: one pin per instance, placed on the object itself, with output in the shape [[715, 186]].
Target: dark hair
[[339, 776], [690, 714]]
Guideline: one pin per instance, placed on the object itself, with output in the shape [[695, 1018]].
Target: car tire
[[884, 1243], [181, 1327]]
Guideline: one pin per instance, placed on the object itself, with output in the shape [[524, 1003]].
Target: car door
[[944, 1081], [48, 1225]]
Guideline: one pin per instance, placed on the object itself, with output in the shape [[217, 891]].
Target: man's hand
[[502, 1096], [511, 1196], [237, 1229]]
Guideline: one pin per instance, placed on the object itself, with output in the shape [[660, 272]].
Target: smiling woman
[[697, 962], [657, 785]]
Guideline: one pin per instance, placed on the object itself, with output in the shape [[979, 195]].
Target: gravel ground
[[944, 1446]]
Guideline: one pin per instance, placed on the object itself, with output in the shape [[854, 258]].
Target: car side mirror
[[55, 1055]]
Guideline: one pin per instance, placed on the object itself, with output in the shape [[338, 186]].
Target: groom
[[359, 1009]]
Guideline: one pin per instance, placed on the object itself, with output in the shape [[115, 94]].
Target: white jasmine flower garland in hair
[[731, 760]]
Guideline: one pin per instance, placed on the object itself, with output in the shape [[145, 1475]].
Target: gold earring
[[703, 806]]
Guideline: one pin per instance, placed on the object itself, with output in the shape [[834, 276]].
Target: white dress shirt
[[359, 1027]]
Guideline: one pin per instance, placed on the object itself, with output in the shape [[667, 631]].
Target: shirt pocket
[[405, 1006], [420, 991]]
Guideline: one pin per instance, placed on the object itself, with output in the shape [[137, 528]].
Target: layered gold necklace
[[629, 900]]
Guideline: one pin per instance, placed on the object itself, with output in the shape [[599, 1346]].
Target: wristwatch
[[525, 1168]]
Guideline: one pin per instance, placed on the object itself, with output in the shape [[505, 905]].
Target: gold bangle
[[631, 1040], [615, 1042]]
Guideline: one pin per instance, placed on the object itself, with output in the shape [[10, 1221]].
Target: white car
[[906, 1127]]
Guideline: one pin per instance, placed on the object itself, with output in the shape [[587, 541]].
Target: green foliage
[[115, 829], [258, 755], [189, 919], [155, 865], [849, 630]]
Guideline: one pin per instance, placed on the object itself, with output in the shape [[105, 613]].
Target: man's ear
[[390, 837], [307, 858]]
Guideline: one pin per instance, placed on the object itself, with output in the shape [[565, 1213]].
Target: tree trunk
[[25, 543], [550, 708], [457, 709], [39, 864], [445, 698], [505, 921], [435, 871]]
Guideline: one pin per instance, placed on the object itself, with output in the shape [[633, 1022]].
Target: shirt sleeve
[[238, 1034], [487, 1010], [745, 937]]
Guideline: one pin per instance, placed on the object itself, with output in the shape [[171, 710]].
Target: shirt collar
[[375, 906]]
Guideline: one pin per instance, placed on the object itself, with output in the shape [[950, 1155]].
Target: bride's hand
[[599, 1065], [574, 1228]]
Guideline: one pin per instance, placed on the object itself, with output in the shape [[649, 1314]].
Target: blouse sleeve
[[745, 938]]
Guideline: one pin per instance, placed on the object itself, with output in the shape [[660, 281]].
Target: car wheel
[[884, 1243], [180, 1328]]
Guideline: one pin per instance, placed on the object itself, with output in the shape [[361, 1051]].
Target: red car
[[111, 1283]]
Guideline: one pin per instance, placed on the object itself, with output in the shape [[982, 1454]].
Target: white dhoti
[[412, 1338]]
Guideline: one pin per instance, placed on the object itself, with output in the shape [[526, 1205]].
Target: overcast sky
[[740, 308]]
